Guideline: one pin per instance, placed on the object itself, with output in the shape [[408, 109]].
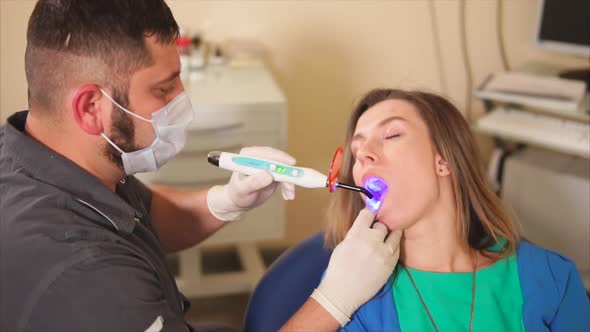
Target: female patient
[[462, 265]]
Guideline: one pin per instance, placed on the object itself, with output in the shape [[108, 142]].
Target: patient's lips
[[378, 187]]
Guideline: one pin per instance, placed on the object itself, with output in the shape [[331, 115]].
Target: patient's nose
[[366, 156]]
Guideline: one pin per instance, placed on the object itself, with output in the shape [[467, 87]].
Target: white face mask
[[170, 123]]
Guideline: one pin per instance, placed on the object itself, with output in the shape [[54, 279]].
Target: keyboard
[[549, 132], [540, 92], [537, 86]]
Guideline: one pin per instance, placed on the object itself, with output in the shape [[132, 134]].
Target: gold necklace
[[472, 297]]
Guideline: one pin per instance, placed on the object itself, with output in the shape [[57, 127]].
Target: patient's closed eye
[[392, 132]]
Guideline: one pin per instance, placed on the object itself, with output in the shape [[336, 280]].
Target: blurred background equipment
[[550, 194], [564, 26]]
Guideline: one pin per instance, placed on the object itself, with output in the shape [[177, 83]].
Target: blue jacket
[[553, 294]]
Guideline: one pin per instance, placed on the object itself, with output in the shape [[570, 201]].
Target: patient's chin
[[394, 221], [391, 223]]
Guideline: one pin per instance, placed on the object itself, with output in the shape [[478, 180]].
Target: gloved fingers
[[255, 182], [380, 229], [395, 256], [268, 153], [393, 239], [288, 191], [364, 219]]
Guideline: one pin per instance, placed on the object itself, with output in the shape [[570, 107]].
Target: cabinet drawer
[[238, 119], [265, 222], [230, 142]]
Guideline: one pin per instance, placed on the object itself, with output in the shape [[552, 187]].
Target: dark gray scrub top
[[75, 256]]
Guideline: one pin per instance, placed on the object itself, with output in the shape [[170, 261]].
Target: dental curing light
[[300, 176]]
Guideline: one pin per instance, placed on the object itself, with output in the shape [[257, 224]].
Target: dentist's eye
[[165, 89]]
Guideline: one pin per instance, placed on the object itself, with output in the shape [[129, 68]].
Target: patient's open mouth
[[378, 188]]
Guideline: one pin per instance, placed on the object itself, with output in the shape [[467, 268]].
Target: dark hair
[[91, 41], [483, 220]]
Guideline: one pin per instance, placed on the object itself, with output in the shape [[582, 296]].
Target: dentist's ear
[[86, 108], [441, 166]]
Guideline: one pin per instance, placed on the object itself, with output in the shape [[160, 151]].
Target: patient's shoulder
[[534, 256], [539, 266]]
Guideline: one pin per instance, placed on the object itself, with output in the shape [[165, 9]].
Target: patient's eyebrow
[[381, 123]]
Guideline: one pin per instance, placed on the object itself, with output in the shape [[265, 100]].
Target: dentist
[[83, 242]]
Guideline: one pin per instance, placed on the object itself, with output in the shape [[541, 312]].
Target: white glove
[[243, 192], [360, 265]]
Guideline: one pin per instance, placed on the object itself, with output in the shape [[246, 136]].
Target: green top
[[498, 299]]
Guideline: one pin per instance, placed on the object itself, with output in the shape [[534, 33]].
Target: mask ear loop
[[128, 112], [123, 108], [112, 143]]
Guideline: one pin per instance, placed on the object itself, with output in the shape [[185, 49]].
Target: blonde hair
[[482, 219]]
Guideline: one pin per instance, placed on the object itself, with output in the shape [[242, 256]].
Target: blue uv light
[[378, 187]]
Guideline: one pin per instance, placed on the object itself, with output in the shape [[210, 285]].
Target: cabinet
[[234, 108]]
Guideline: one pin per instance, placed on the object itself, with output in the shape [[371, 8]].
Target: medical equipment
[[378, 187], [301, 176]]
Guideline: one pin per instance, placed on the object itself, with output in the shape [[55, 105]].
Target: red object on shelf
[[183, 41]]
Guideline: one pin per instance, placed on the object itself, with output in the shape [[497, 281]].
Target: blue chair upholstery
[[287, 285]]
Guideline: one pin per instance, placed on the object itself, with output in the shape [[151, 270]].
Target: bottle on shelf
[[197, 58], [216, 56], [183, 44]]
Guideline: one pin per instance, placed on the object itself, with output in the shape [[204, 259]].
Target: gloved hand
[[245, 192], [360, 265]]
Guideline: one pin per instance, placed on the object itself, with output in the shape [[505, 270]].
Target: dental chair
[[286, 285]]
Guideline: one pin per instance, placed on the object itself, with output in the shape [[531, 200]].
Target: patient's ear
[[441, 166]]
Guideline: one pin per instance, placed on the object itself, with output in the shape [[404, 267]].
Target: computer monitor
[[564, 26]]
